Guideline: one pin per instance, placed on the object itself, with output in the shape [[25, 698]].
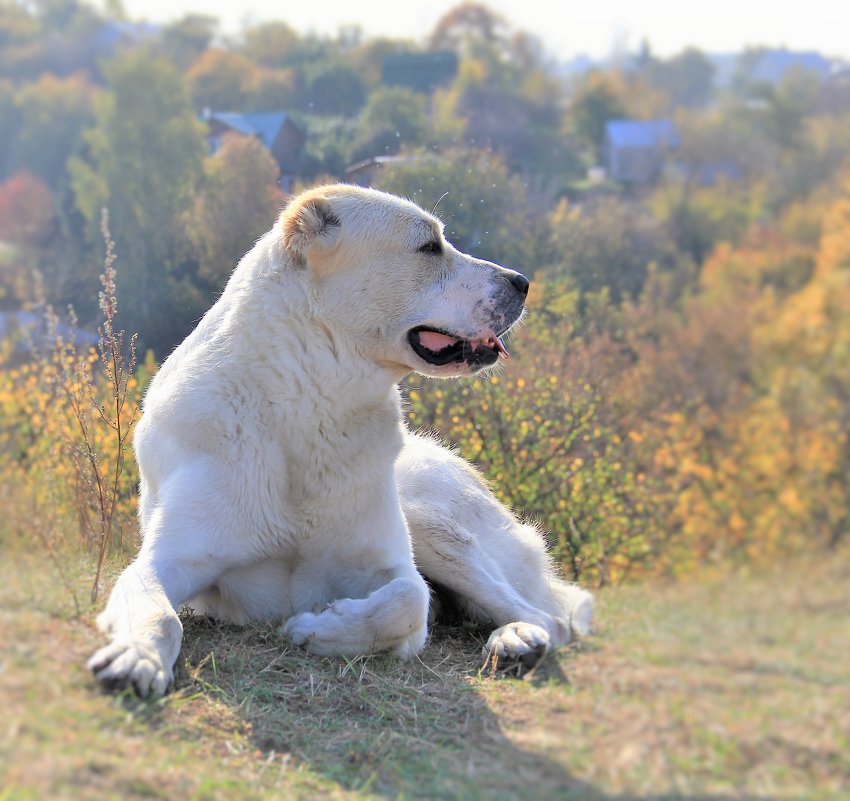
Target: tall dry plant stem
[[122, 416], [99, 470]]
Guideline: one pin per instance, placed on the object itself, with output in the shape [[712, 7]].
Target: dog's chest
[[318, 466], [331, 461]]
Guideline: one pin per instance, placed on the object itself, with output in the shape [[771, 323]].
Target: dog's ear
[[309, 224]]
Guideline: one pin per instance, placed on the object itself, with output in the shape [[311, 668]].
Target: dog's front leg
[[142, 621], [145, 631]]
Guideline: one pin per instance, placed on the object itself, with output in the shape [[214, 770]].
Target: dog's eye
[[434, 246]]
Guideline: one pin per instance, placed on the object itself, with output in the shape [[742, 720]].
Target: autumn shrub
[[746, 398], [691, 425], [67, 477], [705, 419], [543, 435]]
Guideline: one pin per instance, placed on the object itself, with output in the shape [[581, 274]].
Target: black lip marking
[[461, 352]]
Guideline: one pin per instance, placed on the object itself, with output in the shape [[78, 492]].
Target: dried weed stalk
[[99, 456]]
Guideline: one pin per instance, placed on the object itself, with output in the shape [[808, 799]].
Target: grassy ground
[[732, 687]]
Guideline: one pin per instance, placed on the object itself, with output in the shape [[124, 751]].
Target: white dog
[[278, 480]]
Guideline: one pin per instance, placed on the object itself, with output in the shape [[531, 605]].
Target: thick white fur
[[278, 480]]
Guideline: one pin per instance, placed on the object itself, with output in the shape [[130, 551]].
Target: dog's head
[[381, 270]]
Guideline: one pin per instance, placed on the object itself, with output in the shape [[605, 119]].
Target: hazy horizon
[[721, 27]]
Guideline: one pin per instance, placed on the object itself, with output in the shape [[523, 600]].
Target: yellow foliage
[[65, 455], [718, 430]]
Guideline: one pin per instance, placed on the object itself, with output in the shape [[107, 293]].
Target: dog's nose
[[520, 282]]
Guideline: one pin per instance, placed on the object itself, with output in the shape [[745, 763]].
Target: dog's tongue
[[500, 346], [436, 342]]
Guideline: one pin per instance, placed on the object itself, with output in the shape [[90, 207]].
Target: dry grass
[[686, 692]]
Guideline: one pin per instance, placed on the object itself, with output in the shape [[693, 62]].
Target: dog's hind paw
[[123, 664], [515, 648]]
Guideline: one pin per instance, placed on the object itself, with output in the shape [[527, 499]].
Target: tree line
[[680, 392]]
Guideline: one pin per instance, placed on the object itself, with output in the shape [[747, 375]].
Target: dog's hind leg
[[453, 558], [496, 567]]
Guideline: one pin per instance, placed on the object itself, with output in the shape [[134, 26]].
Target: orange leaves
[[834, 251], [26, 209]]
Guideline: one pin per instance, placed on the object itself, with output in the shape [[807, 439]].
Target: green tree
[[273, 89], [795, 173], [466, 24], [503, 98], [522, 128], [328, 150], [783, 110], [184, 41], [608, 245], [706, 199], [270, 45], [479, 34], [687, 78], [392, 118], [53, 114], [596, 101], [145, 156], [236, 204], [484, 206], [47, 36], [20, 48], [331, 87], [221, 80]]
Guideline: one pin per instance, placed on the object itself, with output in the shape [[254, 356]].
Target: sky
[[567, 29]]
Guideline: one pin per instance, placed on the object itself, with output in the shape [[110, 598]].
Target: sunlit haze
[[566, 29]]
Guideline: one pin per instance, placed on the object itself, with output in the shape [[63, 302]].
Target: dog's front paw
[[124, 663], [515, 648]]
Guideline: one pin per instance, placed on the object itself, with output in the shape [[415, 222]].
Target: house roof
[[773, 64], [265, 124], [641, 133]]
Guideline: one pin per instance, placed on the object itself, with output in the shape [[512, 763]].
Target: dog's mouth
[[440, 348]]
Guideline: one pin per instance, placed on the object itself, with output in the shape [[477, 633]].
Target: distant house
[[422, 72], [275, 129], [773, 65], [635, 151]]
